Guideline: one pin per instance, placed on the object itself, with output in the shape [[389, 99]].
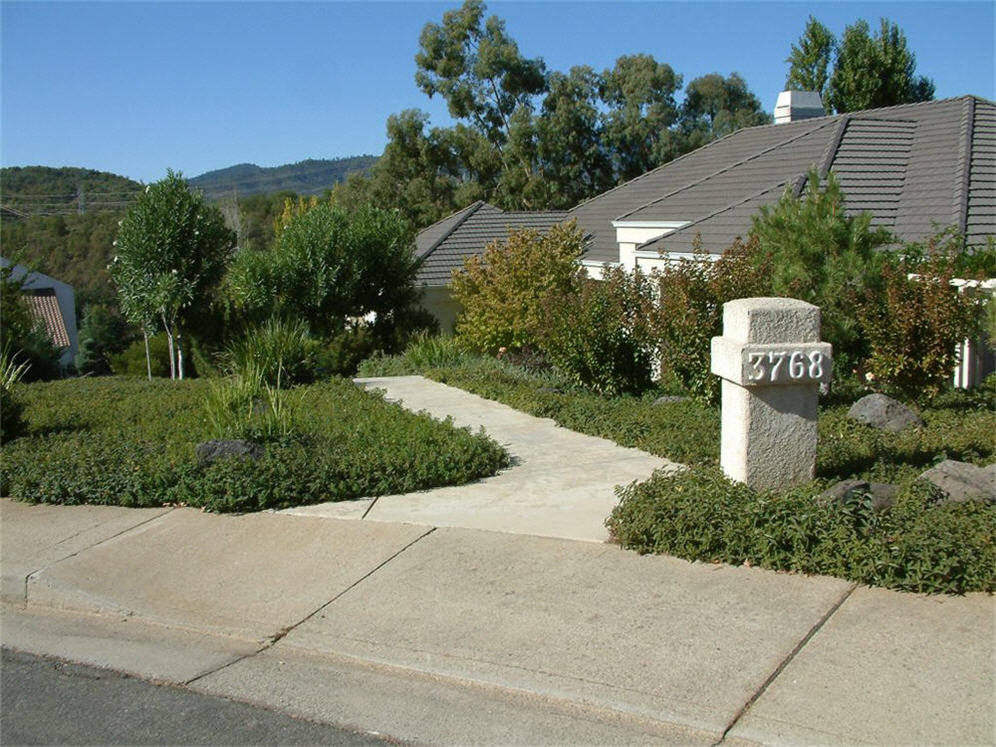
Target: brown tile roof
[[44, 307]]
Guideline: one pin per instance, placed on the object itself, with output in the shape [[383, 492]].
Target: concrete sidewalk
[[456, 635], [561, 483]]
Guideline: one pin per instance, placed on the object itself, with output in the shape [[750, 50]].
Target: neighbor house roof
[[915, 167], [443, 246], [44, 307]]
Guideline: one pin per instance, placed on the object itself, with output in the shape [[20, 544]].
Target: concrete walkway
[[455, 636], [561, 483]]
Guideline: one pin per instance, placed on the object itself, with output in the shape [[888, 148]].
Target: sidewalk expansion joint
[[786, 661], [82, 550], [272, 640]]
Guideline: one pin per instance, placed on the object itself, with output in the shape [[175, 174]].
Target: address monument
[[772, 362]]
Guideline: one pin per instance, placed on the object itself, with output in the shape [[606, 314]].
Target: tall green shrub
[[504, 292], [589, 338], [326, 266], [102, 334], [818, 253]]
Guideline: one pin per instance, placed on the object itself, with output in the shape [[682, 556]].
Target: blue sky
[[136, 88]]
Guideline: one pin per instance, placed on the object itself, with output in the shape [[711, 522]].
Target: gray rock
[[962, 481], [670, 398], [551, 390], [880, 411], [883, 494], [228, 448]]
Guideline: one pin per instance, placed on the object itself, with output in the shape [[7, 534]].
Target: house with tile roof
[[915, 167], [444, 246], [52, 304]]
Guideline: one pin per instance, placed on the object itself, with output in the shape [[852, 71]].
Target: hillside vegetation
[[43, 190], [309, 177], [62, 221]]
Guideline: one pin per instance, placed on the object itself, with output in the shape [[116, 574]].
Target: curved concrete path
[[561, 483]]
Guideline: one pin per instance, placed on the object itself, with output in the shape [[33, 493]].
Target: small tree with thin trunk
[[171, 250]]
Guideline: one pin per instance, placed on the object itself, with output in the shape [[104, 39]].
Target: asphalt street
[[50, 701]]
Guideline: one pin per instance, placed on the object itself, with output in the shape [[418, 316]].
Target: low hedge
[[131, 442], [919, 545]]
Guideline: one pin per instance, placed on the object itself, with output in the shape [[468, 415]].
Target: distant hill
[[310, 177], [43, 190]]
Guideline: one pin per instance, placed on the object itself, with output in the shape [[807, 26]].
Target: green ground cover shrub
[[918, 545], [131, 442]]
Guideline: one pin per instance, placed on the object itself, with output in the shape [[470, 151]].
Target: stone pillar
[[772, 363]]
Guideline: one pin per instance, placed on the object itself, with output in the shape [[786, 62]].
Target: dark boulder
[[883, 412], [228, 448], [882, 494]]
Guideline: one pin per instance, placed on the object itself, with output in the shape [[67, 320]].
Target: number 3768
[[798, 365]]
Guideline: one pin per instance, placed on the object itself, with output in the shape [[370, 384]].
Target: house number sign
[[803, 364]]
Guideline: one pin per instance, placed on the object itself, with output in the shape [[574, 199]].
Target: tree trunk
[[172, 350], [148, 357], [179, 354]]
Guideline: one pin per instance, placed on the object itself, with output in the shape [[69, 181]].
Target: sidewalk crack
[[785, 662], [283, 632]]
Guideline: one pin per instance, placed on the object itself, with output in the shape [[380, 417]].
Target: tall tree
[[574, 162], [478, 69], [172, 248], [861, 71], [639, 93], [716, 106], [810, 59]]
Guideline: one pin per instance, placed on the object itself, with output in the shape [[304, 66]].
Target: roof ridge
[[962, 179], [467, 212], [830, 153], [730, 167], [713, 214]]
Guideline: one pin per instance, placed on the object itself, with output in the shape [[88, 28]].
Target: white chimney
[[795, 105]]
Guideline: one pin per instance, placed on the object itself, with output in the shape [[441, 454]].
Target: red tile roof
[[44, 307]]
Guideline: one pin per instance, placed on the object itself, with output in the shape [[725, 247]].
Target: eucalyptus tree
[[171, 251]]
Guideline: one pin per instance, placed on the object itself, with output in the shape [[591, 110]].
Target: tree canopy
[[172, 248], [527, 138], [860, 71]]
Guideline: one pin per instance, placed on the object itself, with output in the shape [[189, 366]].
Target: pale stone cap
[[771, 320]]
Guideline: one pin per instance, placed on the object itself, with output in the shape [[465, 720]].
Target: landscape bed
[[132, 442], [920, 543]]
